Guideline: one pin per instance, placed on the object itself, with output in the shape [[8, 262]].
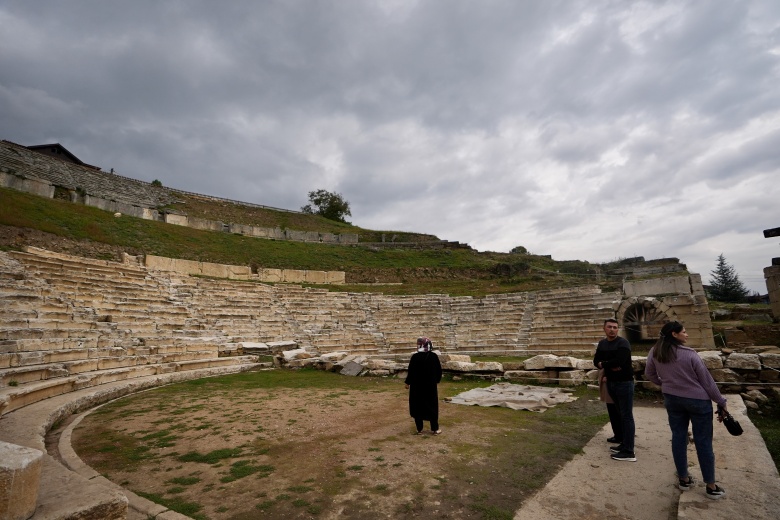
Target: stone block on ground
[[279, 346], [488, 366], [539, 362], [351, 369], [526, 375], [20, 473], [249, 347], [743, 361], [454, 357], [712, 359], [725, 375], [333, 356], [770, 360], [298, 353], [459, 366], [584, 364], [571, 377], [561, 362]]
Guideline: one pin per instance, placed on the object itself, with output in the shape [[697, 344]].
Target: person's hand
[[407, 387], [721, 413]]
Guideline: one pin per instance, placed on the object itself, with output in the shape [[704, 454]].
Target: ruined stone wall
[[238, 272], [679, 298], [772, 277]]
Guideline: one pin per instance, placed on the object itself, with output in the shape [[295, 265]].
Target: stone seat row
[[77, 271], [27, 370], [15, 397]]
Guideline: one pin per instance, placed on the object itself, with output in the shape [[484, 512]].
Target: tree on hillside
[[329, 205], [725, 285], [519, 250]]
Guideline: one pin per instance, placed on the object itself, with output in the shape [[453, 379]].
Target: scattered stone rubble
[[734, 370]]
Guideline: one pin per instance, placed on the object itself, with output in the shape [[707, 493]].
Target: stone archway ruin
[[641, 318], [648, 304]]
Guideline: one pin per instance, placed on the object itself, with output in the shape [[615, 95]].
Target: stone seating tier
[[82, 315]]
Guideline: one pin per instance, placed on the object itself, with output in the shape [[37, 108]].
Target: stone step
[[13, 398]]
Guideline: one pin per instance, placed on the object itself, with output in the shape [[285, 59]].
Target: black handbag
[[731, 424]]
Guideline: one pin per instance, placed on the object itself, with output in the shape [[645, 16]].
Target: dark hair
[[611, 320], [665, 349]]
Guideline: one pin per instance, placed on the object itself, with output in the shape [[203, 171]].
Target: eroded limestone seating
[[570, 319], [71, 323]]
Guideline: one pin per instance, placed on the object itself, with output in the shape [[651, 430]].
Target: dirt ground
[[222, 449]]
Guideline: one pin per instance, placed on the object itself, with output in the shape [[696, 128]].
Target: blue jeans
[[622, 393], [698, 412]]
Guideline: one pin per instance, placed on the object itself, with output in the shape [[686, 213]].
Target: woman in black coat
[[423, 376]]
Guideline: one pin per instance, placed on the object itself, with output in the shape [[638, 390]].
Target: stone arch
[[641, 318]]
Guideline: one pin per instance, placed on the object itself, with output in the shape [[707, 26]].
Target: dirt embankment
[[15, 238]]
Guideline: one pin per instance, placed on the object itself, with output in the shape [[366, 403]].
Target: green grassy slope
[[452, 271]]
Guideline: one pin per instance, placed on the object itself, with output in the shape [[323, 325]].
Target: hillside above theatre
[[58, 225]]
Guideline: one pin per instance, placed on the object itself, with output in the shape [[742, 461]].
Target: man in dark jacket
[[423, 377], [613, 355]]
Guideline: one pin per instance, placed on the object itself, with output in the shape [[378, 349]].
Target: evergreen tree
[[725, 285]]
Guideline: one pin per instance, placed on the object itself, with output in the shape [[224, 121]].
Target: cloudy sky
[[590, 130]]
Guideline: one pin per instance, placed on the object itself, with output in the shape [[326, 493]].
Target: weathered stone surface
[[303, 362], [638, 364], [743, 361], [561, 362], [592, 375], [454, 357], [382, 364], [571, 377], [539, 362], [770, 360], [712, 359], [278, 346], [20, 473], [299, 353], [459, 366], [754, 395], [333, 356], [254, 348], [725, 375], [488, 366], [584, 364], [525, 374], [649, 385], [351, 369]]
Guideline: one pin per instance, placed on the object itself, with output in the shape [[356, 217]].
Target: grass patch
[[184, 481], [211, 457], [244, 468], [176, 504], [768, 423]]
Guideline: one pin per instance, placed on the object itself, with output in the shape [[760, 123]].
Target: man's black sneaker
[[716, 493], [624, 455], [684, 484], [617, 449], [613, 440]]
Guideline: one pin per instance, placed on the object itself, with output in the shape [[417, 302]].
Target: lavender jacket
[[685, 377]]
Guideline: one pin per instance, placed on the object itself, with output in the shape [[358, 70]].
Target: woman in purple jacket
[[689, 390]]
